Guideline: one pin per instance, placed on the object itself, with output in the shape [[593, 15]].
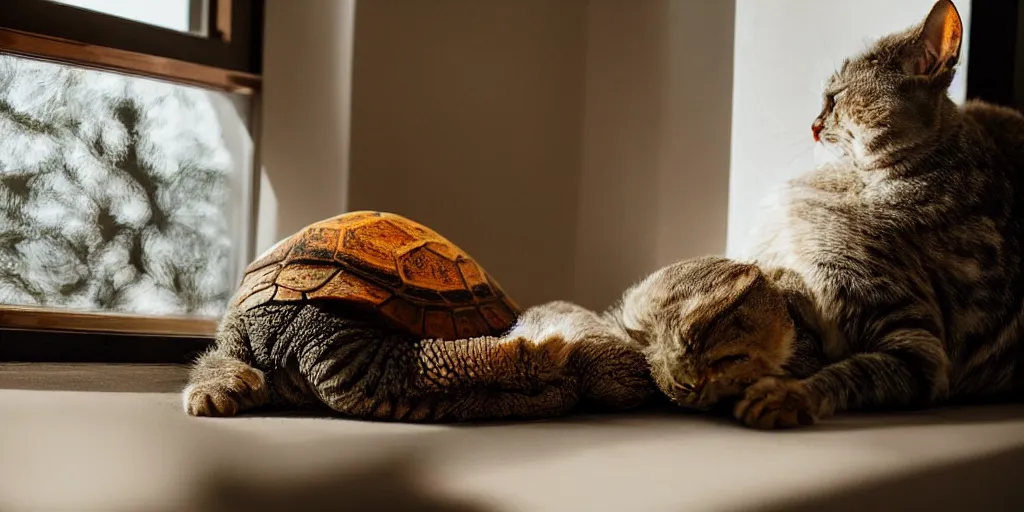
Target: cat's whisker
[[683, 387]]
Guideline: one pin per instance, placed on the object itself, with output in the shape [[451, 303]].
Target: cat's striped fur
[[910, 245]]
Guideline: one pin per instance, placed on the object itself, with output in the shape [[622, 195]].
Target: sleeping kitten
[[909, 246], [702, 330], [710, 327]]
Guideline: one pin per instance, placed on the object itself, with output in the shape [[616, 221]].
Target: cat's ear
[[938, 41], [725, 293]]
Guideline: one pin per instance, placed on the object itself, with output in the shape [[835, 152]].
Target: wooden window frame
[[234, 42], [227, 59]]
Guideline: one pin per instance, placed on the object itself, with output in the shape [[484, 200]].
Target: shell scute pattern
[[404, 272]]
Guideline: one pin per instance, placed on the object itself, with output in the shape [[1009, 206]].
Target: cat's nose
[[695, 389], [816, 127], [699, 388]]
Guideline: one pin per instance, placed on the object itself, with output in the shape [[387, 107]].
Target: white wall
[[785, 49]]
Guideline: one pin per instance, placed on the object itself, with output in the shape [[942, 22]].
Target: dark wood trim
[[43, 319], [995, 62], [242, 53], [112, 59], [253, 25], [29, 346]]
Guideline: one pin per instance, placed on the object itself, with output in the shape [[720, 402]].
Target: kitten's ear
[[728, 291], [939, 39]]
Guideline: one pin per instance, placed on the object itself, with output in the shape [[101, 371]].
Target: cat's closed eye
[[831, 98], [730, 359]]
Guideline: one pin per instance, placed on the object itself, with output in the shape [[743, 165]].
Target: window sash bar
[[29, 45]]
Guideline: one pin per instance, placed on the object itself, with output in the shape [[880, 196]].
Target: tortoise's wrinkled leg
[[614, 376], [220, 383], [551, 400], [500, 378], [559, 355], [371, 373], [365, 371]]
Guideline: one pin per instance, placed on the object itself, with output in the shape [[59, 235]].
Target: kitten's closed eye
[[832, 97], [730, 359]]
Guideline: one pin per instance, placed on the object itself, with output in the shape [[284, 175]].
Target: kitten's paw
[[774, 403], [226, 395]]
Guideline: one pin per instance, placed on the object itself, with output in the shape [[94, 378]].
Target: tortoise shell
[[412, 276]]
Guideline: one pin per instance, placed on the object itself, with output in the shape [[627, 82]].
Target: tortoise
[[376, 316]]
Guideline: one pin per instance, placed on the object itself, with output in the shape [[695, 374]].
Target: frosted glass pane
[[119, 194]]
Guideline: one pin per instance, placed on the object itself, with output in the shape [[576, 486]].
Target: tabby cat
[[909, 246]]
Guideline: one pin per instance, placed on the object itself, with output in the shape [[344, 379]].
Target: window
[[125, 177], [117, 193]]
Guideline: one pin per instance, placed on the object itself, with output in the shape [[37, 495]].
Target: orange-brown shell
[[406, 272]]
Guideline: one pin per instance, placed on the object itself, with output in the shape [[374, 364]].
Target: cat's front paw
[[775, 403], [227, 394]]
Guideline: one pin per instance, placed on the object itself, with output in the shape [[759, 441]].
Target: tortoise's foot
[[613, 375], [550, 402], [223, 386]]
